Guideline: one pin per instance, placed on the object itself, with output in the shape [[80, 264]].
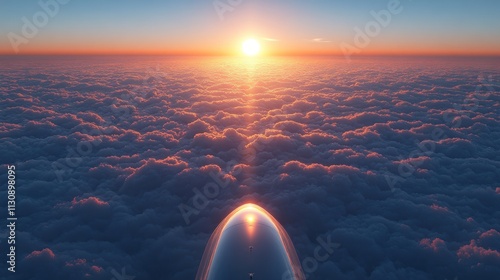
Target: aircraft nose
[[249, 242]]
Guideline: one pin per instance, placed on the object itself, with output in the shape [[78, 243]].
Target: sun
[[251, 47]]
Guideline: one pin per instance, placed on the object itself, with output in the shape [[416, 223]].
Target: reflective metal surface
[[249, 244]]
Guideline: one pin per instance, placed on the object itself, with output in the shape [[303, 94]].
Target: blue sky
[[196, 26]]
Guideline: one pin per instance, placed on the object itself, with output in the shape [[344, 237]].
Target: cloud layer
[[396, 160]]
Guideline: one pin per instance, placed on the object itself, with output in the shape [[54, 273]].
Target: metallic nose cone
[[249, 244]]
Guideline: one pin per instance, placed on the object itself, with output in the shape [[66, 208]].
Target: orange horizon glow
[[181, 53], [237, 52], [234, 48]]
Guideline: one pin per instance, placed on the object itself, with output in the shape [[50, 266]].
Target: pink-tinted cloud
[[436, 244], [42, 254], [312, 140], [90, 202]]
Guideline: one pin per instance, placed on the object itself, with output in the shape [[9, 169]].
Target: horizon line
[[260, 56]]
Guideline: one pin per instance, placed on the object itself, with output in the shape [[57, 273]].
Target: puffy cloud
[[46, 254], [93, 202], [435, 245], [478, 254], [389, 159]]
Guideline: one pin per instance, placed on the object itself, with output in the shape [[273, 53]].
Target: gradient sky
[[194, 27]]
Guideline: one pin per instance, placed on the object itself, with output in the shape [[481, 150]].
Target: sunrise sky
[[281, 26]]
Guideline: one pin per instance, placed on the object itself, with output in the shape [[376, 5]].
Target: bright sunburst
[[251, 47]]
